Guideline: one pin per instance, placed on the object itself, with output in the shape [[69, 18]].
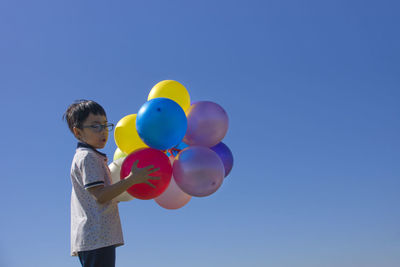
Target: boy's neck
[[83, 144]]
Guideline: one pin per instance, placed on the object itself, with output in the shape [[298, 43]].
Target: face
[[90, 136]]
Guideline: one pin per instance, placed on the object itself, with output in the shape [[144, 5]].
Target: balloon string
[[174, 149]]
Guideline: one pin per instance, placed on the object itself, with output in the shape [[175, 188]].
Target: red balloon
[[146, 157]]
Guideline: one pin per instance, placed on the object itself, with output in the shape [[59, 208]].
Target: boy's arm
[[103, 194]]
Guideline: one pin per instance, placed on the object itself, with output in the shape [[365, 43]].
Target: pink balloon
[[173, 198], [207, 124], [198, 171]]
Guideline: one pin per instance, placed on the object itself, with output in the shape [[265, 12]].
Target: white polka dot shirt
[[93, 225]]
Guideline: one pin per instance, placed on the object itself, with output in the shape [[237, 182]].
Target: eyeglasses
[[100, 127]]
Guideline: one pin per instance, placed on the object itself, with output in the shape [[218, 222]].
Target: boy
[[95, 223]]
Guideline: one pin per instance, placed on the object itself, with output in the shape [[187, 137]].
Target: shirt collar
[[81, 144]]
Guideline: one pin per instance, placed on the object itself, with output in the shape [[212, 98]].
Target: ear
[[77, 132]]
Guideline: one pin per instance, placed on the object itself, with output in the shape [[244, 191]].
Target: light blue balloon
[[161, 123], [176, 149]]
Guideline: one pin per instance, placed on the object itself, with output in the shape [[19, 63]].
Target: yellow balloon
[[172, 90], [119, 154], [126, 136]]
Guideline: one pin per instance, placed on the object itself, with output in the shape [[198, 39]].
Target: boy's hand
[[142, 175]]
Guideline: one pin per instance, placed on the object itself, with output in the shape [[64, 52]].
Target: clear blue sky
[[312, 89]]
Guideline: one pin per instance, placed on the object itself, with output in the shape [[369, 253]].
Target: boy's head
[[87, 120]]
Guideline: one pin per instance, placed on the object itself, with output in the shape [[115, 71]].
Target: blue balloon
[[161, 123], [226, 156]]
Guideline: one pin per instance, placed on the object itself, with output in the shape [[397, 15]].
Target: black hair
[[78, 112]]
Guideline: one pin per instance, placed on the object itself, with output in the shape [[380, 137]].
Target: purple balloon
[[226, 156], [198, 171], [207, 124]]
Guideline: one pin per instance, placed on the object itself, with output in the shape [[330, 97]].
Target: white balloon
[[115, 169]]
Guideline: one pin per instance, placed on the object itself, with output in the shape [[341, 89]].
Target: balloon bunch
[[182, 139]]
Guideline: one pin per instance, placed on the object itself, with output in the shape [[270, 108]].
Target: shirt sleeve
[[92, 174]]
